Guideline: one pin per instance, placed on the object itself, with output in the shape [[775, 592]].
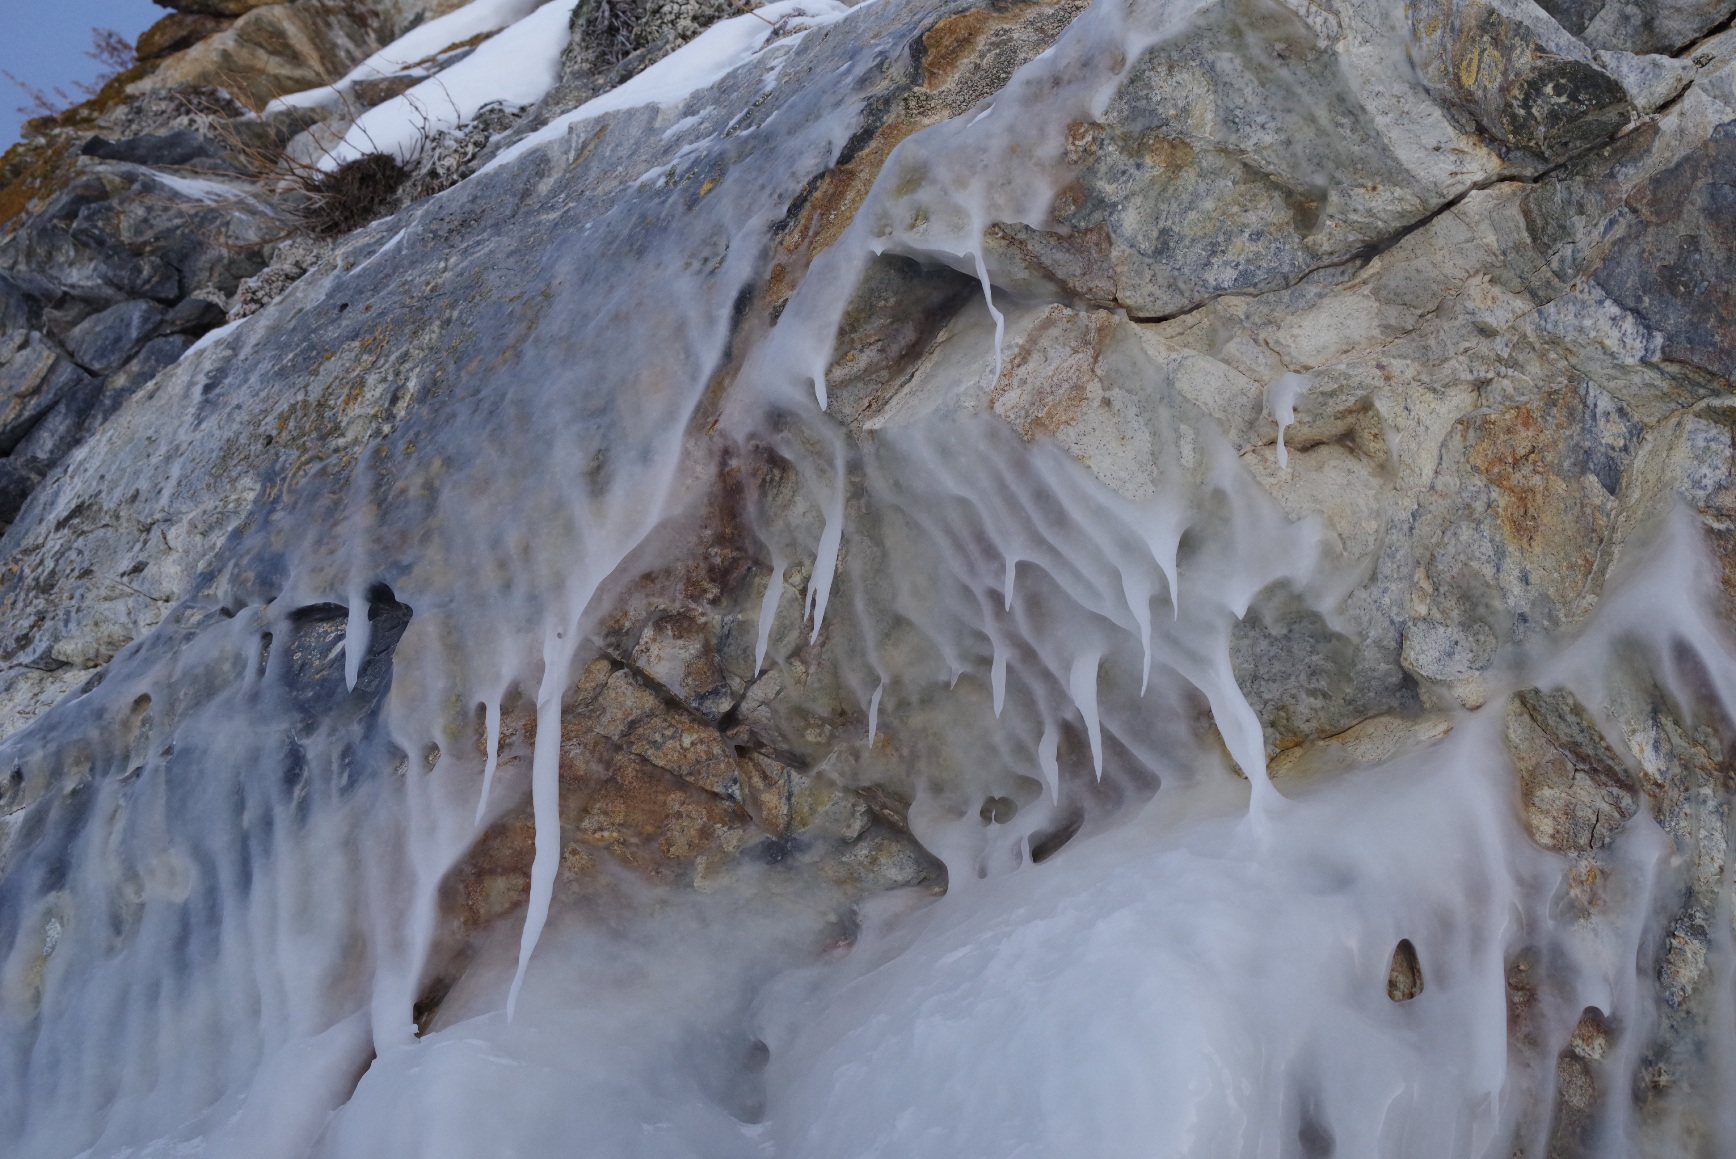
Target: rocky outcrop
[[1496, 284]]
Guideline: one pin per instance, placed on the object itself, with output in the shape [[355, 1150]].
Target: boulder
[[177, 31], [277, 48], [105, 340]]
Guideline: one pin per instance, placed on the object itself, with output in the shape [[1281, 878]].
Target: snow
[[199, 188], [417, 45], [515, 67], [701, 62]]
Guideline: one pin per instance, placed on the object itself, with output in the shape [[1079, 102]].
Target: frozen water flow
[[221, 907], [1281, 399]]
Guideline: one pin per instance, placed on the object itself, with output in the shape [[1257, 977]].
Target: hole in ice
[[1048, 843], [1404, 978], [998, 810]]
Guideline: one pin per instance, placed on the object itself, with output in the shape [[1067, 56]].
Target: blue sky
[[43, 42]]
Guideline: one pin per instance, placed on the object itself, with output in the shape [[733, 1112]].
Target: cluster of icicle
[[213, 931]]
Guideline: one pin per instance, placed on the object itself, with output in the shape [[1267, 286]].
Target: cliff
[[831, 451]]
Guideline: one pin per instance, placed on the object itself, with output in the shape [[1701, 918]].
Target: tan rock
[[1574, 790], [276, 49]]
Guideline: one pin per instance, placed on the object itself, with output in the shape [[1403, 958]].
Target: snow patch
[[698, 64], [516, 67]]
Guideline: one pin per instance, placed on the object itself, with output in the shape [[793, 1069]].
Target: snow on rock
[[703, 61], [516, 67], [417, 47]]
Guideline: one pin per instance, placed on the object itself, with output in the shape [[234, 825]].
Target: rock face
[[1577, 794], [1491, 240]]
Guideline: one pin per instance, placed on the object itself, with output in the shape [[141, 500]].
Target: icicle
[[1082, 683], [491, 734], [826, 556], [998, 676], [1281, 405], [545, 789], [1048, 752], [1138, 595], [1007, 584], [874, 712], [1000, 321], [357, 633], [768, 612]]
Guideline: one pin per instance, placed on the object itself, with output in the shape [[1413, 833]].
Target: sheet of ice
[[426, 40], [516, 67], [714, 53]]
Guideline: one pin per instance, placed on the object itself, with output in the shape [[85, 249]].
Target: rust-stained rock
[[1575, 792]]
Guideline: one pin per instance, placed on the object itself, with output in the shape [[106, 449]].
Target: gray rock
[[105, 340], [1651, 81], [61, 428], [1640, 26], [34, 377], [17, 481], [180, 147], [193, 316], [1673, 263], [15, 308], [157, 355]]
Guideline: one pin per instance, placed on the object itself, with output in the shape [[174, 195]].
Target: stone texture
[[1639, 25], [278, 48], [1575, 792], [177, 31], [1404, 979], [108, 338], [1505, 281], [1519, 75]]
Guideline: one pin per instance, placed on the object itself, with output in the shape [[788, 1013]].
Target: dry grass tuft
[[349, 196]]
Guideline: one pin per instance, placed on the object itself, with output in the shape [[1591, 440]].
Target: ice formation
[[1202, 972]]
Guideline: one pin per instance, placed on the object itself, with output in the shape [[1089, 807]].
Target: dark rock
[[158, 354], [176, 31], [1639, 25], [1518, 76], [1675, 262], [17, 481], [35, 377], [1576, 793], [899, 307], [62, 428], [372, 91], [15, 307], [176, 148], [192, 316], [104, 341]]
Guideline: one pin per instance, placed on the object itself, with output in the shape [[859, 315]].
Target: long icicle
[[545, 788], [491, 734]]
